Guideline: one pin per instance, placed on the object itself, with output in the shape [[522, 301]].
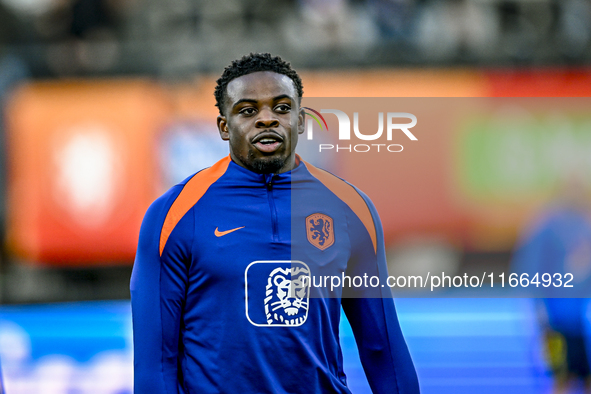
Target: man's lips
[[268, 147], [267, 142]]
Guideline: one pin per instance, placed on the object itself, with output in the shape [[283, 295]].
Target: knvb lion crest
[[320, 230]]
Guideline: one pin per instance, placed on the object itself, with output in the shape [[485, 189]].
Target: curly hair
[[253, 63]]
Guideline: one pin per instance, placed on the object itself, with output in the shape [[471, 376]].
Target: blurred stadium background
[[106, 104]]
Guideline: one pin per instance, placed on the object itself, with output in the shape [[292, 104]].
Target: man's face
[[262, 120]]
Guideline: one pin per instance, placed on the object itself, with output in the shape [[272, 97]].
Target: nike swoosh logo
[[222, 233]]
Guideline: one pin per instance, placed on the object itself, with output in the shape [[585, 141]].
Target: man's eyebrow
[[244, 100], [253, 101], [282, 97]]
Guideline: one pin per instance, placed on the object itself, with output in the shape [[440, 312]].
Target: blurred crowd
[[177, 37]]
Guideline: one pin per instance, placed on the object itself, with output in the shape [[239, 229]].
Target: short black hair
[[250, 64]]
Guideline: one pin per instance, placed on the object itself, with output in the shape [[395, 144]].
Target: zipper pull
[[269, 180]]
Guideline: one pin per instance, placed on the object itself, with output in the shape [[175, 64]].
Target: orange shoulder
[[350, 196], [194, 189]]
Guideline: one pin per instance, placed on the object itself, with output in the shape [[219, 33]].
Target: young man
[[221, 294]]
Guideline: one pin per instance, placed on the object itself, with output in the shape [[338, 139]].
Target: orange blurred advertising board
[[81, 172], [83, 157]]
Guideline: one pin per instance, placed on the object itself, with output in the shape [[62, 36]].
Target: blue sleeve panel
[[157, 293], [221, 307], [372, 315]]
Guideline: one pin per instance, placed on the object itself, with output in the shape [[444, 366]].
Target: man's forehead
[[260, 85]]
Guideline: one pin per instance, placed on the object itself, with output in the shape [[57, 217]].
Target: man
[[555, 249], [221, 294]]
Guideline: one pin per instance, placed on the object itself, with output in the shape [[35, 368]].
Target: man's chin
[[267, 165]]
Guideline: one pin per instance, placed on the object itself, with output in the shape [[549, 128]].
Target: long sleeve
[[372, 315], [158, 285]]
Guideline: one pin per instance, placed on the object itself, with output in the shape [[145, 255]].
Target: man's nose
[[266, 119]]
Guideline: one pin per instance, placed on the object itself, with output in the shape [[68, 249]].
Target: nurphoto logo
[[393, 124]]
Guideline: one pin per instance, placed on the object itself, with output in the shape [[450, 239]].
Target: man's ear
[[301, 121], [223, 127]]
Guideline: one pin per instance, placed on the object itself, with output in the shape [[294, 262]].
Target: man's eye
[[247, 111], [283, 108]]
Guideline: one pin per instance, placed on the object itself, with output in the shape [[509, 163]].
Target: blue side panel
[[356, 379]]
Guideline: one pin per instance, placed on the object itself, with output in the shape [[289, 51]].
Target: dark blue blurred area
[[468, 346], [79, 330], [67, 348], [458, 346]]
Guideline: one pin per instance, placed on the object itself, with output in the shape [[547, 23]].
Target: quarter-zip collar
[[274, 188], [251, 178]]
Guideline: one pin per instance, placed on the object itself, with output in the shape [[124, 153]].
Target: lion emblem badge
[[277, 293], [320, 230], [287, 296]]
